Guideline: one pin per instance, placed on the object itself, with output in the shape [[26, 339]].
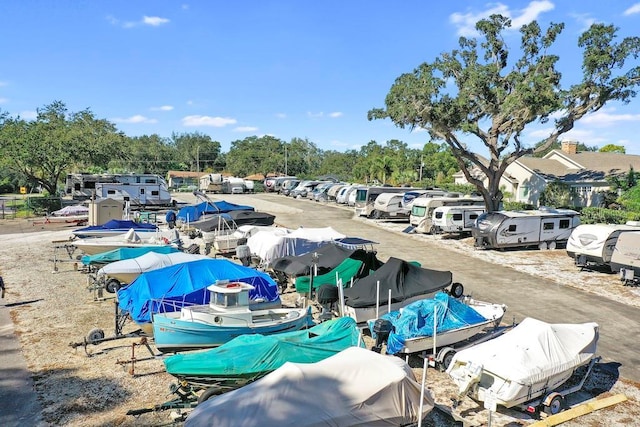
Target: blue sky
[[232, 69]]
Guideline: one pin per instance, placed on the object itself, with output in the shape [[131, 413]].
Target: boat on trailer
[[226, 317]]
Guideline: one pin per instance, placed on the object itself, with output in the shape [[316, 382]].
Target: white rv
[[593, 244], [421, 218], [211, 183], [455, 219], [366, 197], [545, 228], [233, 185], [390, 206], [626, 258], [138, 189]]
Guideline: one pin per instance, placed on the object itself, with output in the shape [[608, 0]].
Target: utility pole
[[286, 170], [421, 166], [198, 158]]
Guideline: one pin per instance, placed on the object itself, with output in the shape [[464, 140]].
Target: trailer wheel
[[555, 406], [542, 246], [457, 289], [447, 359], [552, 246], [112, 286], [209, 393], [95, 335]]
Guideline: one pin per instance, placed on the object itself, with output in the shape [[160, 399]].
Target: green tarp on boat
[[253, 356]]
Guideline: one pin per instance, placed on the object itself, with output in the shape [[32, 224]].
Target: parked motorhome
[[288, 185], [211, 183], [366, 197], [390, 206], [233, 185], [422, 208], [343, 195], [138, 189], [591, 245], [544, 228], [626, 257], [274, 184], [455, 219]]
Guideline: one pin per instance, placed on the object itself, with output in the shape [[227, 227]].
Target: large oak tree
[[477, 91]]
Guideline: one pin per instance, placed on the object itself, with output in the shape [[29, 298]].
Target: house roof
[[185, 174]]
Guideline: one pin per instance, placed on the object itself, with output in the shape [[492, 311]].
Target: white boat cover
[[531, 352], [147, 262], [356, 387], [269, 246], [71, 211]]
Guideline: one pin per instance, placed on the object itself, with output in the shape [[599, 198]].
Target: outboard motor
[[327, 297], [382, 328], [244, 255]]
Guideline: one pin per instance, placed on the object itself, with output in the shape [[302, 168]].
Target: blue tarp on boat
[[416, 319], [116, 224], [166, 289], [194, 212], [125, 253]]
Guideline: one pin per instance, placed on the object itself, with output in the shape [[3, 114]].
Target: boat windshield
[[225, 300]]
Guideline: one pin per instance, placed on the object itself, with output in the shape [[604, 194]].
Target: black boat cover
[[235, 219], [329, 256], [403, 278]]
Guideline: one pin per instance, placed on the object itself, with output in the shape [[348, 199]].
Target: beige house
[[176, 179], [584, 172]]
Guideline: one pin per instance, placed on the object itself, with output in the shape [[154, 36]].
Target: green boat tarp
[[252, 356], [358, 265], [124, 253]]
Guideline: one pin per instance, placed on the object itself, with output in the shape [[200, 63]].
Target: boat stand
[[63, 246], [186, 399]]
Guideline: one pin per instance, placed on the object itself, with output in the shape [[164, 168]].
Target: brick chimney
[[569, 147]]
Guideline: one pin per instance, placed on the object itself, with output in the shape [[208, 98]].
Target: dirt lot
[[96, 387]]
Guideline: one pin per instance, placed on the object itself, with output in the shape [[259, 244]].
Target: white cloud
[[4, 100], [466, 22], [138, 118], [29, 115], [540, 133], [315, 115], [198, 120], [335, 114], [584, 20], [154, 21], [606, 117], [633, 10], [162, 108], [245, 129], [587, 137], [281, 115]]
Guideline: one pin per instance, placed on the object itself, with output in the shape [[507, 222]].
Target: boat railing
[[170, 305]]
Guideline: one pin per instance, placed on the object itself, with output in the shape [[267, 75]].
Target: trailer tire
[[95, 335], [209, 393], [555, 406], [447, 359], [552, 246], [542, 246], [112, 286], [457, 290]]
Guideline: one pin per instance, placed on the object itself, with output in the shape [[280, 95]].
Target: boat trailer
[[97, 336]]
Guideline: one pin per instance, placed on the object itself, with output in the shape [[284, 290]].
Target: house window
[[547, 226], [564, 223], [512, 227], [583, 189]]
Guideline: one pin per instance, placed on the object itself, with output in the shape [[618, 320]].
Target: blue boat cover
[[416, 319], [118, 224], [166, 289], [125, 253], [194, 212]]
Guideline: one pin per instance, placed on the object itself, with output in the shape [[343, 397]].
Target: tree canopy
[[477, 92]]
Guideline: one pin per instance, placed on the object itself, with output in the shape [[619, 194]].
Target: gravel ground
[[96, 387]]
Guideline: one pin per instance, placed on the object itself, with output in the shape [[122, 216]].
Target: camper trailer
[[233, 185], [390, 206], [211, 183], [626, 257], [138, 189], [591, 245], [421, 218], [455, 219], [366, 197], [544, 228]]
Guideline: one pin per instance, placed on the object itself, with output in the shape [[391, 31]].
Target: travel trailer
[[591, 245], [455, 219], [545, 228], [233, 185], [138, 189], [390, 206], [211, 183], [366, 197], [421, 218], [626, 257], [274, 184]]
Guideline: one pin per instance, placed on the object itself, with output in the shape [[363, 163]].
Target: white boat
[[355, 387], [127, 270], [455, 321], [229, 242], [227, 316], [130, 239], [532, 360]]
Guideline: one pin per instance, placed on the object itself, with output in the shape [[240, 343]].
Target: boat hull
[[364, 314], [172, 334]]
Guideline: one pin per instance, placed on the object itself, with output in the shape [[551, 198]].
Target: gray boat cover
[[356, 387], [329, 256], [147, 262], [404, 279]]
